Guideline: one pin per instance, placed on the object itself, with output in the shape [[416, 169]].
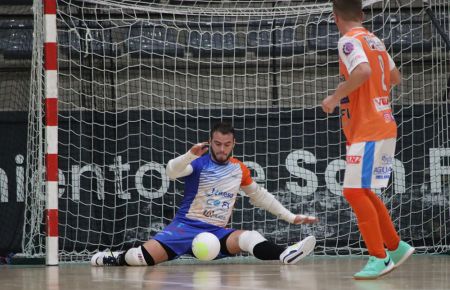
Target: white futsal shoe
[[106, 258], [298, 251]]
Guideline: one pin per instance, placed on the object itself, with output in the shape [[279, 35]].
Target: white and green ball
[[205, 246]]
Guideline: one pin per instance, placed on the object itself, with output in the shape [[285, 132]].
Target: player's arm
[[358, 76], [260, 197], [181, 166], [396, 76], [353, 57]]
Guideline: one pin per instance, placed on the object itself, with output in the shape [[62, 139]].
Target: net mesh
[[14, 96], [140, 82]]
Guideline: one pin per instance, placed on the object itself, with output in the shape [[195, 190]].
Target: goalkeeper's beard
[[220, 161]]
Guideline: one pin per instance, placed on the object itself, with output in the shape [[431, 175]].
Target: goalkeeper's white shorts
[[369, 164]]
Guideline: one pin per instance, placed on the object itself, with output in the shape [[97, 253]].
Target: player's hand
[[329, 103], [305, 219], [200, 148]]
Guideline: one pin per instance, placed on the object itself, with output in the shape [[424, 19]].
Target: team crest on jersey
[[348, 48]]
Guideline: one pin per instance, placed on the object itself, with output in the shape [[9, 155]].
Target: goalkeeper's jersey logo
[[211, 190]]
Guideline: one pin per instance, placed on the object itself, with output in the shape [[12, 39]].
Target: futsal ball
[[205, 246]]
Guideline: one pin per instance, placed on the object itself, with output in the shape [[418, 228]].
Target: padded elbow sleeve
[[262, 198]]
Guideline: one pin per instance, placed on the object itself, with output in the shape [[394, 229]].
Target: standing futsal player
[[370, 129]]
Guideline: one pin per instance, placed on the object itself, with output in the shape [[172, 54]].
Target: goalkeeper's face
[[222, 146]]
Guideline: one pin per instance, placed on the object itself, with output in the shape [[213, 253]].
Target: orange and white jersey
[[366, 112], [211, 190]]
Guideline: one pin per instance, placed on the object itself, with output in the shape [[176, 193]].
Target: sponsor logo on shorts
[[171, 229], [353, 159], [382, 104], [382, 172], [387, 159]]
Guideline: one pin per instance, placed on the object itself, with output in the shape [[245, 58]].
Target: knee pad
[[249, 239], [138, 257]]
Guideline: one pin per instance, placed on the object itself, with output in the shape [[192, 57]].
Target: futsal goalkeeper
[[370, 129], [212, 182]]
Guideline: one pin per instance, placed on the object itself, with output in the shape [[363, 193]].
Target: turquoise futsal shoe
[[402, 253], [375, 268]]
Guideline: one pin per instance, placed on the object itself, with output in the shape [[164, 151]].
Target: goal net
[[139, 82]]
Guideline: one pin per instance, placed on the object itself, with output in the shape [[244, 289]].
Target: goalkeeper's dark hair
[[222, 127], [349, 10]]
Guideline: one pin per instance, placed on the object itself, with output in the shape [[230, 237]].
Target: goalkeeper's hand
[[199, 149], [305, 219]]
